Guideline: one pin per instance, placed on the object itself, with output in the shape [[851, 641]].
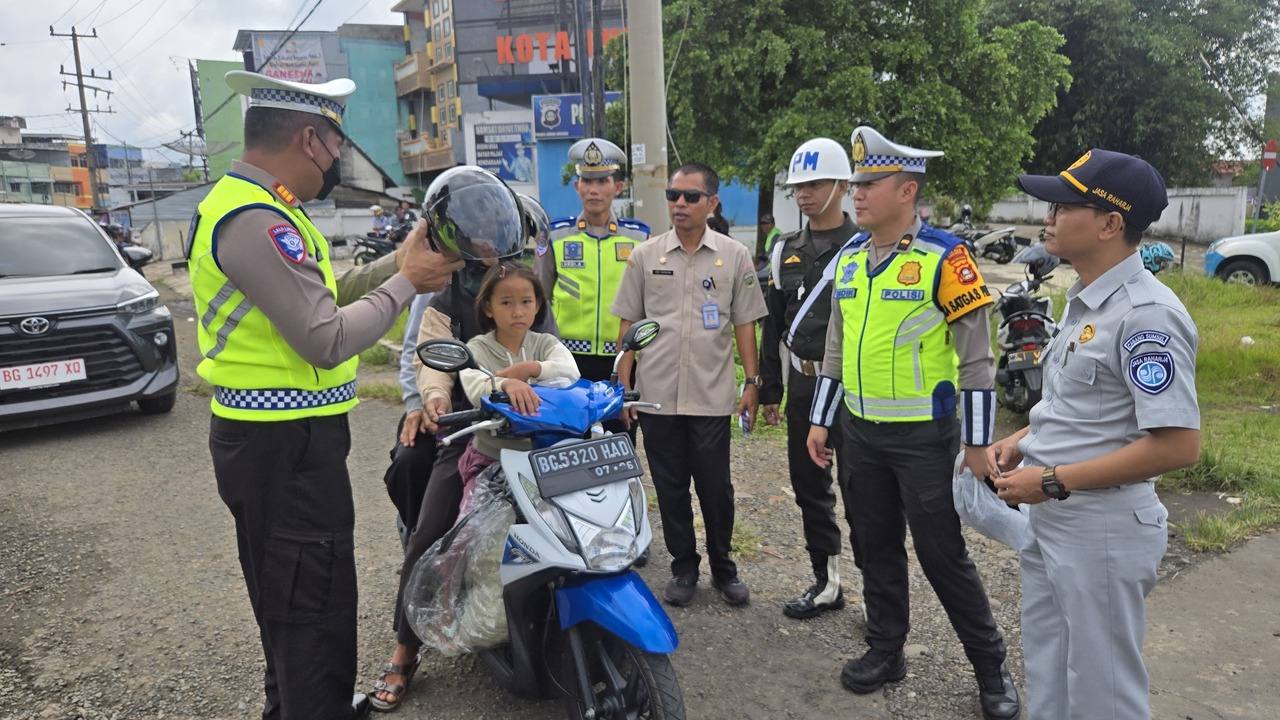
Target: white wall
[[1203, 214]]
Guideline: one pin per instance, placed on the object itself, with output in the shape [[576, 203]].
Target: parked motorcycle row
[[377, 243]]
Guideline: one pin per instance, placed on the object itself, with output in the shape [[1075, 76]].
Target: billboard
[[560, 116], [298, 60], [506, 150]]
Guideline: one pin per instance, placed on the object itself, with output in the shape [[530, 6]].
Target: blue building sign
[[560, 116]]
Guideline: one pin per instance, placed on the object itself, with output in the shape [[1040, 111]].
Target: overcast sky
[[146, 45]]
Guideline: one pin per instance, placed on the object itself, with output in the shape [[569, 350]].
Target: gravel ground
[[121, 596]]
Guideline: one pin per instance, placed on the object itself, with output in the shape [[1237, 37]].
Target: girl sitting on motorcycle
[[509, 303]]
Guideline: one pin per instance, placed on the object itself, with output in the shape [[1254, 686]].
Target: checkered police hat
[[874, 156], [596, 158], [326, 99]]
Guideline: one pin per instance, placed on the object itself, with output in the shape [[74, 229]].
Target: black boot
[[359, 706], [815, 601], [997, 694], [871, 671]]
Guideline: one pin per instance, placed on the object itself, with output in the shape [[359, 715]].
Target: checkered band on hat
[[578, 346], [287, 399], [884, 162], [293, 97]]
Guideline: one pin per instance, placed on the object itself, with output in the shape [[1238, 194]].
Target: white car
[[1245, 259]]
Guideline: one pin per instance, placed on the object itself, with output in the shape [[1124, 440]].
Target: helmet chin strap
[[835, 184]]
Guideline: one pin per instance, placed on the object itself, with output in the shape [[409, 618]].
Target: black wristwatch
[[752, 380], [1051, 486]]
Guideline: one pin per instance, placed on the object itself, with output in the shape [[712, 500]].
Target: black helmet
[[472, 213], [537, 224]]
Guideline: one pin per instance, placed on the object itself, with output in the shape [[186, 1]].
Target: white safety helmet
[[818, 159]]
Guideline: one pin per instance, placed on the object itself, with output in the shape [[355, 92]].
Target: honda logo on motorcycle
[[35, 325]]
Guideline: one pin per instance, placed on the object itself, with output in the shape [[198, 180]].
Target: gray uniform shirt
[[1122, 362], [323, 331], [972, 333]]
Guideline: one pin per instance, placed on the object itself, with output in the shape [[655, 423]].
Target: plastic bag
[[981, 509], [453, 600]]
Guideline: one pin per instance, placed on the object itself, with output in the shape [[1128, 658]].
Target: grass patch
[[396, 333], [379, 391], [379, 355], [746, 542], [1239, 391], [200, 388]]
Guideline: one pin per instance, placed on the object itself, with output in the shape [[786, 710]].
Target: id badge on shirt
[[710, 316]]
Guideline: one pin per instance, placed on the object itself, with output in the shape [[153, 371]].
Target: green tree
[[1165, 79], [751, 81]]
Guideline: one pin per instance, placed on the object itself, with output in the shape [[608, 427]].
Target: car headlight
[[141, 304]]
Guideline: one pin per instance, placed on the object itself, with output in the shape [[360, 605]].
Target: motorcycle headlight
[[609, 549], [142, 303], [639, 503], [553, 516]]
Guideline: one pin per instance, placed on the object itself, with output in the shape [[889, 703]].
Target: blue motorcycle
[[579, 620]]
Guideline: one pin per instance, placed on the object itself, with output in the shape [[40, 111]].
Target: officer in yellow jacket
[[908, 341], [581, 266], [278, 335]]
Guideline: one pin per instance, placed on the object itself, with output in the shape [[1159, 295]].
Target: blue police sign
[[560, 116]]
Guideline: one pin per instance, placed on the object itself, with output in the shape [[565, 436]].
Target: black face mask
[[470, 277], [331, 177]]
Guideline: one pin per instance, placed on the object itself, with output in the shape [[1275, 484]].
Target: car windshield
[[39, 246]]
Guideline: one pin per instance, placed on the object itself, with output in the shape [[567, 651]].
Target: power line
[[97, 9], [162, 35], [264, 63], [120, 15], [64, 12]]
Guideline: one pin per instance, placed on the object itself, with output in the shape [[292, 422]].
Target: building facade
[[45, 168]]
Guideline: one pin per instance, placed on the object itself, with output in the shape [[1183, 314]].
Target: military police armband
[[826, 399], [979, 422]]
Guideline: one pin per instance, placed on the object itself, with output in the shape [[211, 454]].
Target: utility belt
[[808, 368]]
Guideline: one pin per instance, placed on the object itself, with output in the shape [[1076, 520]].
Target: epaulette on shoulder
[[634, 225], [563, 222], [941, 238]]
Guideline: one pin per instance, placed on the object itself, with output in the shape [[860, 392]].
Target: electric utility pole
[[80, 77], [648, 108]]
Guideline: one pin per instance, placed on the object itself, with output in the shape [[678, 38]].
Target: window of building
[[66, 188], [435, 7], [15, 187], [444, 5], [448, 51], [448, 27], [436, 36], [453, 89]]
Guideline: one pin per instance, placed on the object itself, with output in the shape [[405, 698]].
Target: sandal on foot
[[396, 690]]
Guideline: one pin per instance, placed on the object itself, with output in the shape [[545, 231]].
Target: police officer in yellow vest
[[278, 335], [581, 267], [908, 341]]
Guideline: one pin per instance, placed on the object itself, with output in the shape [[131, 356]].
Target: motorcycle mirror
[[640, 335], [445, 355], [137, 256]]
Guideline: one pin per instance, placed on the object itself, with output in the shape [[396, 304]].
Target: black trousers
[[901, 475], [599, 368], [681, 447], [812, 484], [287, 487], [436, 514], [407, 475]]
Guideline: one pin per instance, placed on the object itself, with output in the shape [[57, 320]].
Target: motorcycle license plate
[[1024, 359], [569, 468]]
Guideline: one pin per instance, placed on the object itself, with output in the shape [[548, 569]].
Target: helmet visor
[[475, 215]]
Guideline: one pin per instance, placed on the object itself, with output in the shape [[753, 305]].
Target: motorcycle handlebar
[[630, 396], [462, 416]]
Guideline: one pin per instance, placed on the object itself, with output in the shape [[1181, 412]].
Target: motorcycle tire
[[651, 689], [1003, 254], [363, 257]]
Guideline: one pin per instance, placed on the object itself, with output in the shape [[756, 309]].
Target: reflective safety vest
[[588, 275], [899, 361], [255, 373]]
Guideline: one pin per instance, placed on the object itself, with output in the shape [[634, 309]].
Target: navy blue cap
[[1110, 181]]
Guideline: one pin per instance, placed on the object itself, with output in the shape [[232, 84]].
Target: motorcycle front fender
[[1034, 377], [622, 605]]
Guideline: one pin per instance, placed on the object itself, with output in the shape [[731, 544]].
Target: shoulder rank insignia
[[791, 260]]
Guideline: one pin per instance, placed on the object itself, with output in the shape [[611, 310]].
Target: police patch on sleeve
[[1152, 372], [288, 242], [1145, 336]]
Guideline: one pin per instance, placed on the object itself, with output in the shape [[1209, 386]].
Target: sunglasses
[[690, 196]]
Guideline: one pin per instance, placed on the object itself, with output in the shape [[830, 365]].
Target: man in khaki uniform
[[697, 284]]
